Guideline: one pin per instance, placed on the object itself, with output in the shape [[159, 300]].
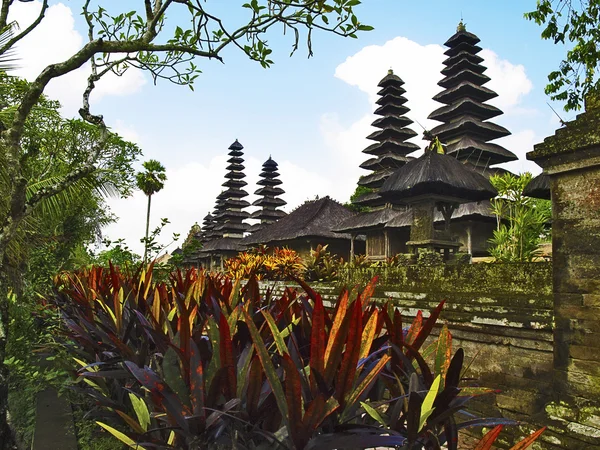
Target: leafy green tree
[[55, 234], [118, 254], [576, 24], [150, 182], [522, 222], [358, 192], [165, 38]]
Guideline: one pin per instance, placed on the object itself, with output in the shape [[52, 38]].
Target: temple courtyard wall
[[502, 315]]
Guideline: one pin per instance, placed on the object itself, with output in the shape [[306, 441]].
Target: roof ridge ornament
[[461, 26]]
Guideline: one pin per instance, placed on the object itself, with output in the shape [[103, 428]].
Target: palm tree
[[150, 182]]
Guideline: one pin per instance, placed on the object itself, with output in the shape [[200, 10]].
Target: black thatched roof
[[223, 245], [269, 199], [463, 47], [538, 187], [435, 174], [489, 153], [392, 218], [453, 62], [313, 219], [471, 210], [401, 220], [471, 126], [369, 220], [369, 199], [465, 106], [461, 35], [465, 75], [465, 89], [462, 65]]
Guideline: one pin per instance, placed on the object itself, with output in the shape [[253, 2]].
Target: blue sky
[[310, 115]]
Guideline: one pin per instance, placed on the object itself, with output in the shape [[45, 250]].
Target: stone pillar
[[422, 225], [571, 157], [352, 237]]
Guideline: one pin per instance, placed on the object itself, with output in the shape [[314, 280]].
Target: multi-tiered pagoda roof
[[207, 228], [466, 130], [231, 217], [212, 231], [269, 201], [390, 150]]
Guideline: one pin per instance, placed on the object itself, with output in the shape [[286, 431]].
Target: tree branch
[[4, 13], [24, 33]]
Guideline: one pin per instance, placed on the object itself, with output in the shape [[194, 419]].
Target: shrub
[[429, 258], [200, 362], [280, 264], [321, 265]]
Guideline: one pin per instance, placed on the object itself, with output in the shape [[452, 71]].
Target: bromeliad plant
[[275, 264], [201, 362]]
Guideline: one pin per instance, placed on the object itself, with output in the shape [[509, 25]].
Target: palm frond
[[54, 204], [8, 56]]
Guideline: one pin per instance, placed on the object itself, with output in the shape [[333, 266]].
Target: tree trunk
[[6, 435], [147, 230]]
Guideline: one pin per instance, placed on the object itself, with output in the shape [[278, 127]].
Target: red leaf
[[368, 291], [317, 337], [173, 406], [345, 378], [227, 358], [293, 397], [255, 381], [489, 438], [425, 331], [529, 440], [197, 383]]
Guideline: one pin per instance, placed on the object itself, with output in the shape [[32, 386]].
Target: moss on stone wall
[[531, 278]]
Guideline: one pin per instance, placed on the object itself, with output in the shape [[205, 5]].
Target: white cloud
[[54, 40], [508, 80], [418, 65], [126, 131], [520, 143]]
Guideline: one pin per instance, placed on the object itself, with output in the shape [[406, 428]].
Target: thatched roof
[[465, 106], [223, 244], [462, 47], [435, 174], [538, 187], [462, 35], [313, 219], [471, 210], [469, 125], [474, 77], [369, 220], [475, 149], [465, 89]]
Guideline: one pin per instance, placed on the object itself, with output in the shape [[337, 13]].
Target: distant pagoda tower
[[390, 149], [212, 232], [207, 227], [231, 214], [465, 130], [269, 193]]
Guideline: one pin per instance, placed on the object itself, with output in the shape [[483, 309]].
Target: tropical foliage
[[201, 362], [275, 264], [522, 222], [574, 23], [321, 265], [150, 181]]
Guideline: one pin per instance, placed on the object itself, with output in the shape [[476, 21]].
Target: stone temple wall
[[501, 315]]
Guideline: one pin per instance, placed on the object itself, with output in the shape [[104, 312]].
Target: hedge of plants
[[201, 361]]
